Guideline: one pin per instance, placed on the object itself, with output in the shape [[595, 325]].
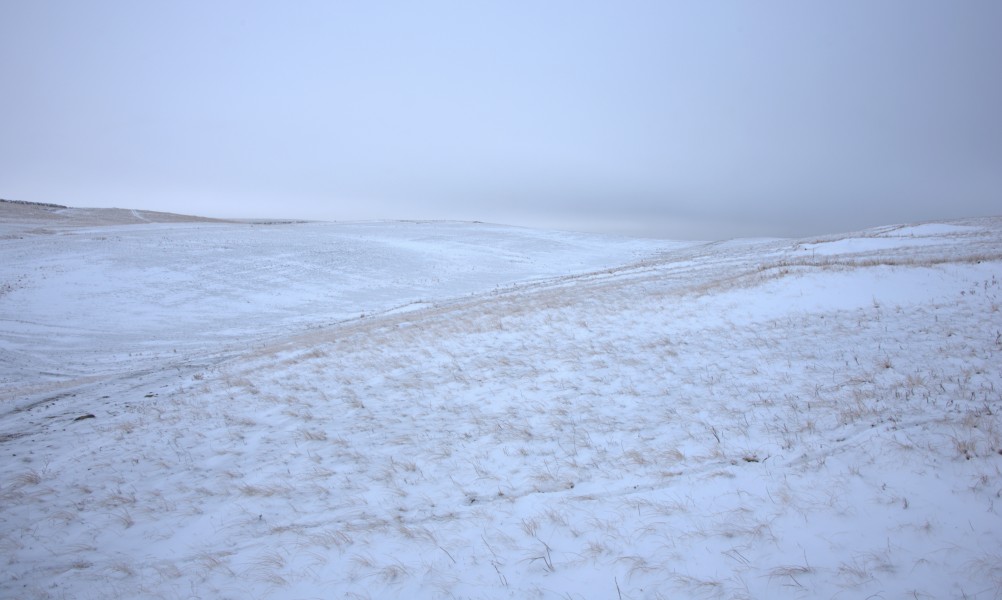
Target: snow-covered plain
[[450, 410]]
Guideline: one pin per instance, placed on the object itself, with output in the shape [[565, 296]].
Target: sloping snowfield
[[194, 409]]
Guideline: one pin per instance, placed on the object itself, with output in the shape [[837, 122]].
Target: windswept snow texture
[[518, 414]]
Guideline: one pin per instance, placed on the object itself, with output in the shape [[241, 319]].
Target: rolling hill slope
[[429, 410]]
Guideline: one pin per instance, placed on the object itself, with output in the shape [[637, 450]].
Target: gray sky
[[688, 119]]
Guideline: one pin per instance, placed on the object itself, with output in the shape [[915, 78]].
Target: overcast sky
[[687, 119]]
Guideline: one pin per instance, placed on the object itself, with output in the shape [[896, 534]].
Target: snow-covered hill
[[434, 410]]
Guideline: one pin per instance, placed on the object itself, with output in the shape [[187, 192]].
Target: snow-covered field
[[195, 409]]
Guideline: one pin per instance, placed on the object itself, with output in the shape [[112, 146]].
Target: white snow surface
[[461, 410]]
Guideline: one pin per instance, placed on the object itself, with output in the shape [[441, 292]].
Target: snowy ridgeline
[[445, 410]]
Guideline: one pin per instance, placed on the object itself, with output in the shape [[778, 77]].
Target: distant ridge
[[21, 214], [29, 203]]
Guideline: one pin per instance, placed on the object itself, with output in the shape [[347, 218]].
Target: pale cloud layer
[[690, 119]]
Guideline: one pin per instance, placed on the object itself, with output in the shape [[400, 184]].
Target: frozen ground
[[518, 414]]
